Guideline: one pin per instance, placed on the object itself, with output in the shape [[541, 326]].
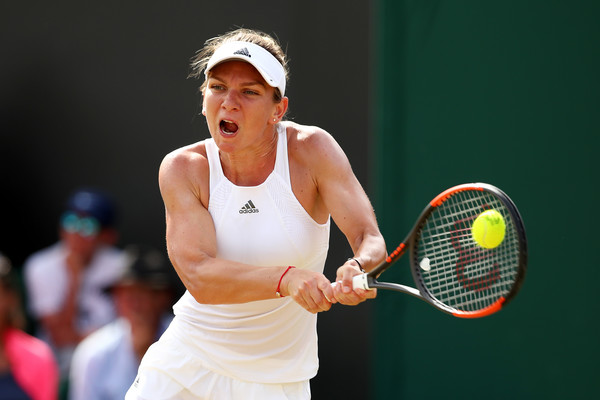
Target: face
[[83, 234], [239, 108], [80, 244], [139, 303]]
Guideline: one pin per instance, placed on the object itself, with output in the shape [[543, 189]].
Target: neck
[[252, 168]]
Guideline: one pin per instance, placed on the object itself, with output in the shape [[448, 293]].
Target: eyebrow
[[249, 83]]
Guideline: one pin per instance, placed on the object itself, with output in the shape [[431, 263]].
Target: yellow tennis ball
[[488, 229]]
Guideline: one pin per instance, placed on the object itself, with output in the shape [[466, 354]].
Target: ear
[[280, 110]]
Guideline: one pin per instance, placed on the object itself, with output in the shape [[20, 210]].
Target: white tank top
[[268, 341]]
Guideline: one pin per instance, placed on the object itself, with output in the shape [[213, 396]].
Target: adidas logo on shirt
[[249, 208]]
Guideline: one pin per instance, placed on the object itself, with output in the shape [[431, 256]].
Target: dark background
[[95, 93], [504, 92]]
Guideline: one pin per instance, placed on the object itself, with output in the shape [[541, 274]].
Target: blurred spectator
[[28, 369], [65, 281], [106, 362]]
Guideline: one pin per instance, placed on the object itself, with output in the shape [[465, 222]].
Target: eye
[[89, 227], [217, 87], [251, 92], [70, 222]]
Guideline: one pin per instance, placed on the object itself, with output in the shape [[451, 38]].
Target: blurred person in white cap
[[105, 363], [65, 281], [248, 217]]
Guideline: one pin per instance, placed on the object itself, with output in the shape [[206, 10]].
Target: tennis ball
[[488, 229]]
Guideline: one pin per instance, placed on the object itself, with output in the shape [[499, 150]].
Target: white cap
[[265, 63]]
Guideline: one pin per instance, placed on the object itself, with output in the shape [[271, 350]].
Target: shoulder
[[102, 347], [107, 265], [104, 340], [32, 362], [185, 163], [44, 264], [22, 347], [185, 157], [110, 253], [44, 256], [313, 146], [307, 135], [185, 169]]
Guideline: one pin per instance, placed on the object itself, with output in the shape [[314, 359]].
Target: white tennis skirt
[[168, 373]]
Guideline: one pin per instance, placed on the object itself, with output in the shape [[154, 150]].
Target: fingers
[[313, 301], [344, 292], [315, 293], [354, 297], [327, 290], [314, 304], [311, 291]]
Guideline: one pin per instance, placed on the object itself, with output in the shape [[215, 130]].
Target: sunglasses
[[84, 226]]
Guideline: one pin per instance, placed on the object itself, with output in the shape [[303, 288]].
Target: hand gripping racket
[[452, 272]]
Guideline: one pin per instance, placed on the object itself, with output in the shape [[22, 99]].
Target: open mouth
[[228, 127]]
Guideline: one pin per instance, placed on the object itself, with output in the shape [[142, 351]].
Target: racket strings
[[461, 274]]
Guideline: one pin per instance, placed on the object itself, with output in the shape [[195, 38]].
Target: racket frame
[[370, 280]]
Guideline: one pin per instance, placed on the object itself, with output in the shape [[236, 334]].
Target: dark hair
[[266, 41]]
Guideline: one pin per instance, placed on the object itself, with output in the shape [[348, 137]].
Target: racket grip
[[358, 282]]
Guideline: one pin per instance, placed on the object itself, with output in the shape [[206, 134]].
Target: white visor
[[264, 62]]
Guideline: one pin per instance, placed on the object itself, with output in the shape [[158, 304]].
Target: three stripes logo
[[248, 208], [243, 52]]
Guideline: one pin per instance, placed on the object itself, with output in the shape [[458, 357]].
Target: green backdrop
[[504, 92]]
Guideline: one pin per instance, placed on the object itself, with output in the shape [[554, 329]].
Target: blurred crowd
[[77, 317]]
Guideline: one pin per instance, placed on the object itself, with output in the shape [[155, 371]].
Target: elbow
[[195, 277], [200, 288], [202, 293]]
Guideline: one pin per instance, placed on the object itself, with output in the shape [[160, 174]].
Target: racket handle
[[358, 282]]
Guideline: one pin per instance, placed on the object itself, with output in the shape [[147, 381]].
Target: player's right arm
[[183, 180], [191, 238]]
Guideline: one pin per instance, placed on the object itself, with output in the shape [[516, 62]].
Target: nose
[[231, 101]]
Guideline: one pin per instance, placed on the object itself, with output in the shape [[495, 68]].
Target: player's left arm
[[351, 210]]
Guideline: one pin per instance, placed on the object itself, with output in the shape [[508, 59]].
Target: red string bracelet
[[278, 291]]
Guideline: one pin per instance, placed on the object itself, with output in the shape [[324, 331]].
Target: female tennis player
[[248, 215]]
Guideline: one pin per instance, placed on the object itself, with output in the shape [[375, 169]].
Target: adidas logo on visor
[[248, 208], [243, 52]]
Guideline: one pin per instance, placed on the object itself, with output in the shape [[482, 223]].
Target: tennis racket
[[451, 271]]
